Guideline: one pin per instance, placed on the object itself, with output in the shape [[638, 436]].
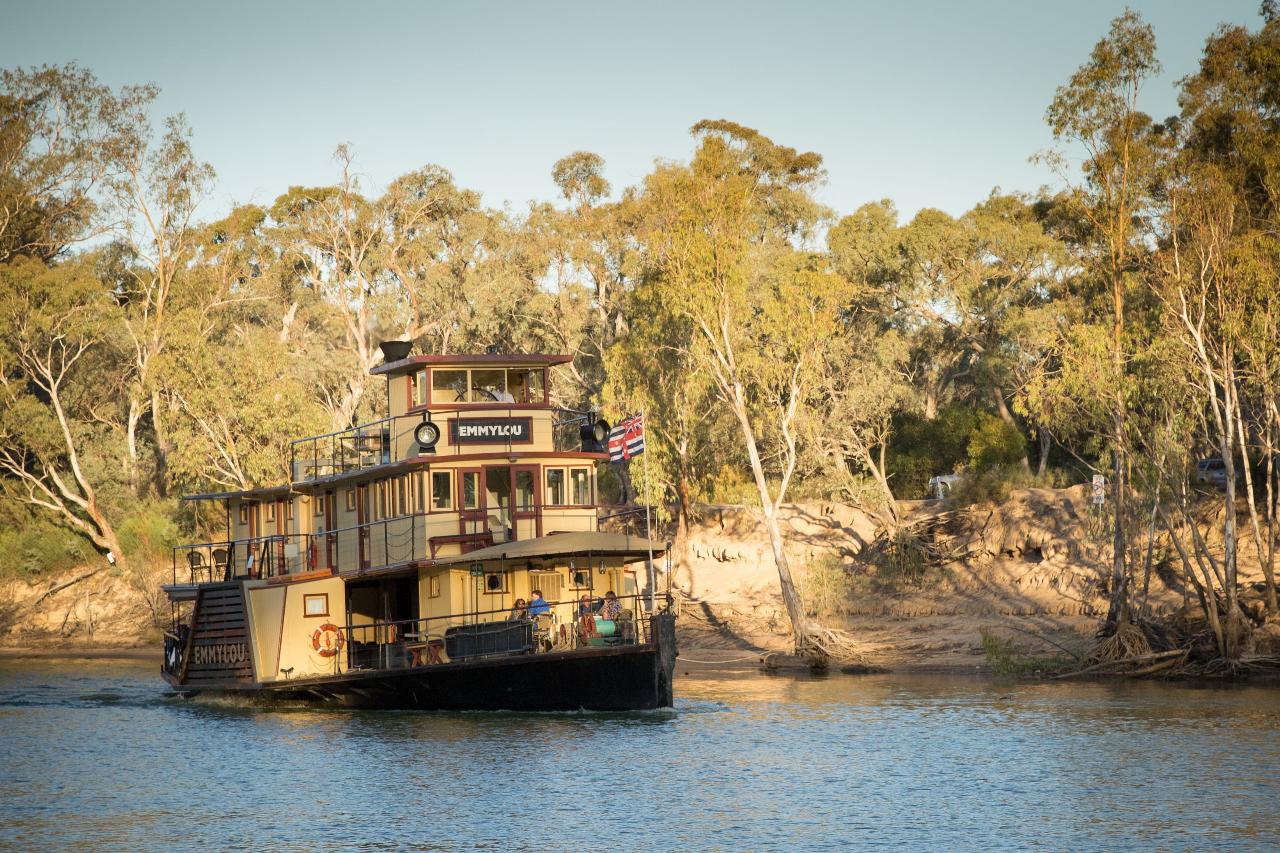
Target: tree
[[62, 135], [1097, 110], [760, 312], [54, 323]]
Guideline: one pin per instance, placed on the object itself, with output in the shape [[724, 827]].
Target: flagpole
[[648, 525]]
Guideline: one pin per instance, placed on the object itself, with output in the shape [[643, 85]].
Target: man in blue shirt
[[538, 605]]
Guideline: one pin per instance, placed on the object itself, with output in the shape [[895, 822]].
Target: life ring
[[327, 640]]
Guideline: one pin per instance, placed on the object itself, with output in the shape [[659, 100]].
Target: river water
[[96, 755]]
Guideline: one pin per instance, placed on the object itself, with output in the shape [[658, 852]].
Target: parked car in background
[[1211, 472], [942, 485]]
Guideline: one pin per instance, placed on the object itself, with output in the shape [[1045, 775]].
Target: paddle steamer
[[388, 572]]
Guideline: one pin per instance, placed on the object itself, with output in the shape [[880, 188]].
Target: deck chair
[[195, 560], [221, 563]]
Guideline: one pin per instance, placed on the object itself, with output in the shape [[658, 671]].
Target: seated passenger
[[537, 604], [519, 610], [611, 608], [587, 607]]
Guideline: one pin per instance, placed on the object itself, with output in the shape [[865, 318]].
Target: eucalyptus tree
[[155, 194], [721, 247], [59, 335], [62, 137], [1097, 113]]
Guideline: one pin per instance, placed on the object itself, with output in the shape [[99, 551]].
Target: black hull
[[613, 679]]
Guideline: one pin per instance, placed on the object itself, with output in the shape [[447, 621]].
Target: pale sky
[[931, 104]]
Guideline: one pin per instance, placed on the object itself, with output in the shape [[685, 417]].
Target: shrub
[[149, 532], [1009, 660], [41, 547], [994, 444], [922, 448]]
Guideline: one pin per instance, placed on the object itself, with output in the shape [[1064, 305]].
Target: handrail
[[466, 636]]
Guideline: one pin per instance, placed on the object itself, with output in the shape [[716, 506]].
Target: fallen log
[[1153, 656]]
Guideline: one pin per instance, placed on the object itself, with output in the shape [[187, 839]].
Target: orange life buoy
[[327, 640]]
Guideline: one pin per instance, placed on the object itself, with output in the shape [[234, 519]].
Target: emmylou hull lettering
[[491, 430]]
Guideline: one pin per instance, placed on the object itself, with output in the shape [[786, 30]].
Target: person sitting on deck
[[611, 608], [537, 604], [519, 610]]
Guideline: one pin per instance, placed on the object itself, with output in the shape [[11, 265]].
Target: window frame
[[308, 598], [590, 486], [447, 473], [564, 486], [432, 402]]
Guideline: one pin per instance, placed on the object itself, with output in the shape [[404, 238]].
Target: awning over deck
[[608, 545]]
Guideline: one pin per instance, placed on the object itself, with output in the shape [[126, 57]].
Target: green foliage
[[990, 485], [149, 532], [995, 443], [924, 448], [828, 585], [40, 547], [1007, 659]]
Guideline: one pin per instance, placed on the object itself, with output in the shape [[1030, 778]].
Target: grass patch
[[1007, 659]]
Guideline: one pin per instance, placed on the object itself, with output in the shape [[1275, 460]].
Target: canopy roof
[[562, 545]]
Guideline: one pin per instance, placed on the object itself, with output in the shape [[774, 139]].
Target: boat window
[[495, 583], [317, 505], [402, 495], [555, 487], [441, 490], [433, 587], [419, 498], [271, 510], [526, 385], [449, 386], [244, 513], [524, 490], [351, 500], [315, 605], [551, 584], [489, 386], [471, 490], [580, 485], [418, 388]]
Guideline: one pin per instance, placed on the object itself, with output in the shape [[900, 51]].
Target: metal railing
[[376, 544], [372, 444], [476, 635]]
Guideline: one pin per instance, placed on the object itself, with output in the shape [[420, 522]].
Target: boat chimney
[[395, 350]]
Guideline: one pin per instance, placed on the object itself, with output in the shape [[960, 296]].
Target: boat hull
[[622, 678]]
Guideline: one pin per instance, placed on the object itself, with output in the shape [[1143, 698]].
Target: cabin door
[[282, 536], [330, 522], [362, 523], [526, 502], [252, 556], [471, 502], [498, 505]]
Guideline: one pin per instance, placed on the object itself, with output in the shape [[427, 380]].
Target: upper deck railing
[[397, 541], [372, 444]]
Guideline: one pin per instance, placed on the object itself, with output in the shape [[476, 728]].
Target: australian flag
[[626, 439]]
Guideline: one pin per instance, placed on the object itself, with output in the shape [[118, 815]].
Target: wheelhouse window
[[524, 491], [521, 385], [489, 386], [580, 485], [418, 388], [441, 490], [527, 384], [555, 487], [471, 490], [449, 386]]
